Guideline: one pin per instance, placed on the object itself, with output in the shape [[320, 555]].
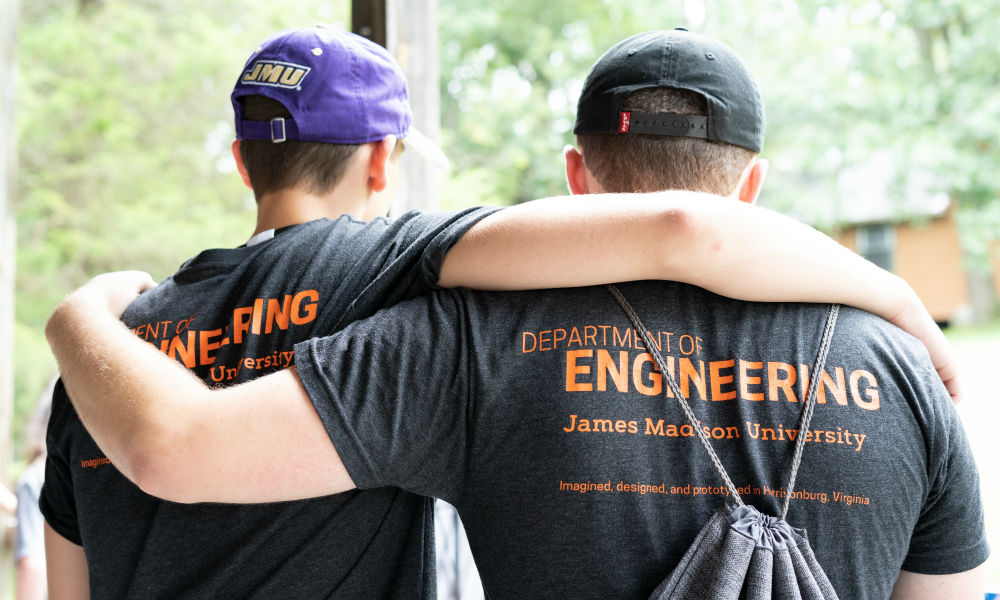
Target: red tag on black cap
[[624, 120], [664, 124]]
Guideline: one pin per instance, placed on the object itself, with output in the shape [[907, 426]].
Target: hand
[[115, 290], [110, 293], [915, 320]]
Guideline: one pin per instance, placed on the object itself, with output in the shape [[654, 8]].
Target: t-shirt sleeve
[[433, 235], [57, 501], [393, 394], [406, 261], [950, 535]]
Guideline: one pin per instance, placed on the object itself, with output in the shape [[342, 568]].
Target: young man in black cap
[[540, 416]]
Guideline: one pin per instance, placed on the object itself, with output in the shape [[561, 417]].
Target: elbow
[[690, 239], [685, 221], [154, 476], [156, 463], [56, 328]]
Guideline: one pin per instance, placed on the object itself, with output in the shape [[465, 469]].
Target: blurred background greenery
[[124, 123]]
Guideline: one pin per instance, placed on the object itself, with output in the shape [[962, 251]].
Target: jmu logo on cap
[[275, 73]]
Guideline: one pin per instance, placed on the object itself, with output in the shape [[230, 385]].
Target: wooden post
[[368, 20], [412, 31], [408, 28], [8, 170]]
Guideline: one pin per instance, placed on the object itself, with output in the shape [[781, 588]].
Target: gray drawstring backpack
[[743, 554]]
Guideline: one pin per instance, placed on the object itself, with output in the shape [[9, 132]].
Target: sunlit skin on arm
[[66, 567], [967, 585]]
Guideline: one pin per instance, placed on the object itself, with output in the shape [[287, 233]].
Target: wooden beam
[[408, 28], [412, 31], [368, 20]]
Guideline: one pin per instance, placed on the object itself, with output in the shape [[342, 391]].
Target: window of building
[[877, 243]]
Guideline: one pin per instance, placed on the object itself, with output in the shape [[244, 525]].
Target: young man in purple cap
[[445, 395]]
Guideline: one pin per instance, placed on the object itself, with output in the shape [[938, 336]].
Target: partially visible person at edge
[[29, 548], [230, 315]]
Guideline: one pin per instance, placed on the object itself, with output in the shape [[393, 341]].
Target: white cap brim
[[426, 147]]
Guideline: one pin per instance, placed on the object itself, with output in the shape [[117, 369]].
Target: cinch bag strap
[[807, 410]]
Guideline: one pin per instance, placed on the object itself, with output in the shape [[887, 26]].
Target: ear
[[378, 163], [242, 168], [576, 171], [752, 180]]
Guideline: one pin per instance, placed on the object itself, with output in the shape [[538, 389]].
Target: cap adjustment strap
[[278, 129], [277, 138], [663, 124]]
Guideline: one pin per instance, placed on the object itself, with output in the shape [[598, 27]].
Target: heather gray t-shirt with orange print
[[232, 315], [541, 417]]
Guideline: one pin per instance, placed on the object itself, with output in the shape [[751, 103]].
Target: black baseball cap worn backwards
[[673, 59]]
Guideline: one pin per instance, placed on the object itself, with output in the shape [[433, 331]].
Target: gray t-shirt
[[232, 315], [541, 418]]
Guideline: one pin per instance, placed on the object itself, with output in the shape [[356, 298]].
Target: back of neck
[[294, 206]]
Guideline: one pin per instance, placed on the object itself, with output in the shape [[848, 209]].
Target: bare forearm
[[753, 253], [106, 371], [66, 568], [728, 247], [572, 241], [958, 586]]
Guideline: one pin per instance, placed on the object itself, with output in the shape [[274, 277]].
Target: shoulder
[[440, 221], [870, 338], [876, 329]]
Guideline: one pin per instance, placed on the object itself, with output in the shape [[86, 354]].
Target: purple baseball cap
[[340, 88]]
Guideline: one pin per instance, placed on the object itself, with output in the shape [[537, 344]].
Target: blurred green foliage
[[841, 79], [124, 121]]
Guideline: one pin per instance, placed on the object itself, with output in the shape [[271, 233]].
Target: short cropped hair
[[650, 163], [312, 166]]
